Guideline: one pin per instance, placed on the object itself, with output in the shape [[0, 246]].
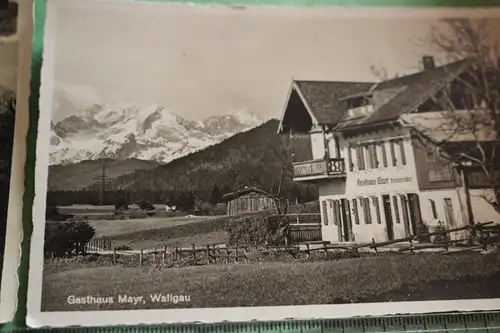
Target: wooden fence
[[304, 218], [300, 233], [197, 255], [222, 253], [99, 244]]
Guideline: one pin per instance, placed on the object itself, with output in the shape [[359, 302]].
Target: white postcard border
[[37, 318]]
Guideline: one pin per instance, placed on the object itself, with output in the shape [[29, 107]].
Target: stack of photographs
[[208, 162], [9, 55]]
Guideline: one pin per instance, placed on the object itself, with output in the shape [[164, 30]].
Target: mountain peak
[[105, 130]]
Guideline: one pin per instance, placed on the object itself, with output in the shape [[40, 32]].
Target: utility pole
[[102, 180]]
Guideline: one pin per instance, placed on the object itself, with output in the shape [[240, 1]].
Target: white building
[[364, 145]]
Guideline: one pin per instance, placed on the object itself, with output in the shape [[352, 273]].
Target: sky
[[199, 61]]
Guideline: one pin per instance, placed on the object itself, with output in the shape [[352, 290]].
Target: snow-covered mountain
[[154, 133]]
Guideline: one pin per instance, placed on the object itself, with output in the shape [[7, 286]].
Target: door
[[386, 200], [450, 215], [415, 213]]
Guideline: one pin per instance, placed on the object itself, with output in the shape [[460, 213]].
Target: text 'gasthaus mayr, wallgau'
[[128, 299]]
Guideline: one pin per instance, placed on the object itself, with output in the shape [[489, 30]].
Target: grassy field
[[368, 279], [121, 227], [153, 232]]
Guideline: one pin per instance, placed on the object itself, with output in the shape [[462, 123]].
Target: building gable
[[317, 103]]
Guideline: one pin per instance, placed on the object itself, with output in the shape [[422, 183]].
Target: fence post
[[326, 250], [214, 252], [114, 256], [227, 256], [208, 254], [308, 253], [245, 254], [375, 248], [194, 252], [411, 245], [140, 257], [236, 255], [164, 254], [154, 257]]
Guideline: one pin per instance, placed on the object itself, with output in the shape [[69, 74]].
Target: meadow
[[382, 278]]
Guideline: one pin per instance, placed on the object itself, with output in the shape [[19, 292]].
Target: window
[[402, 151], [332, 209], [440, 175], [393, 153], [360, 157], [366, 210], [433, 209], [430, 157], [349, 158], [384, 154], [377, 209], [396, 209], [325, 213], [355, 211]]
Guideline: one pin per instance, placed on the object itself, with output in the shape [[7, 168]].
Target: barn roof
[[243, 191]]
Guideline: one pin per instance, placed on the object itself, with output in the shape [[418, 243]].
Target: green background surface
[[36, 62]]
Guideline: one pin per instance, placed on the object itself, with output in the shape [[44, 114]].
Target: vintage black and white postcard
[[211, 162]]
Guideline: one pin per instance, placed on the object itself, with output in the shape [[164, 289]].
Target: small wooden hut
[[248, 199]]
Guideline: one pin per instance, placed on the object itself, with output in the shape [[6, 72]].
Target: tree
[[469, 125], [277, 176], [215, 196]]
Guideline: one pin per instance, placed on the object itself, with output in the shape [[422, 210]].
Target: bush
[[64, 239], [257, 229], [121, 204]]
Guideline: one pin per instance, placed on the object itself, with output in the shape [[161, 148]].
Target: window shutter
[[332, 206], [377, 209], [349, 158], [384, 154], [355, 210], [396, 209], [366, 207], [325, 213], [393, 153], [402, 150]]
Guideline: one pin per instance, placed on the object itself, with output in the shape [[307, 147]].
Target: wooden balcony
[[319, 169]]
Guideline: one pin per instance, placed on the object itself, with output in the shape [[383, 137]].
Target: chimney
[[428, 62]]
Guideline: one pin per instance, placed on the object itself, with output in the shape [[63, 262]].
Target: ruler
[[478, 322]]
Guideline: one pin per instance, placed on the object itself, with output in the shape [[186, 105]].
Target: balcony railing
[[317, 169]]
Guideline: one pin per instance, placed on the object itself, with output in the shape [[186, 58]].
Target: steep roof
[[404, 94], [326, 100], [243, 191], [323, 98]]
